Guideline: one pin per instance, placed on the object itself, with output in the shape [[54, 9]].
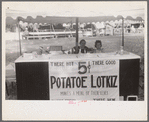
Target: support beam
[[123, 32], [77, 36], [19, 37]]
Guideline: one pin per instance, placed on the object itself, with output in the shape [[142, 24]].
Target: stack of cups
[[34, 54]]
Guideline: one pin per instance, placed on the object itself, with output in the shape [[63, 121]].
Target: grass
[[132, 43]]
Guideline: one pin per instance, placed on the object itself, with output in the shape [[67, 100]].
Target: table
[[103, 77]]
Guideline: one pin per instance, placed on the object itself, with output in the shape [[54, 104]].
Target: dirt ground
[[132, 43]]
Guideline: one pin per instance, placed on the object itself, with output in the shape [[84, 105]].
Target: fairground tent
[[41, 12], [73, 10]]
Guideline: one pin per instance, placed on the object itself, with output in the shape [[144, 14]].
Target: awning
[[26, 10], [74, 9]]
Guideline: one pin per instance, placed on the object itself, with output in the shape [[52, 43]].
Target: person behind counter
[[81, 49], [98, 46]]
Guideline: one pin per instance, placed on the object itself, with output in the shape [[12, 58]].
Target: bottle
[[121, 50]]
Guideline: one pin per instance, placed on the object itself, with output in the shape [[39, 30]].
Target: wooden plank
[[32, 81], [129, 77]]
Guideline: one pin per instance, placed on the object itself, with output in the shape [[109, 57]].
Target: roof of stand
[[37, 11]]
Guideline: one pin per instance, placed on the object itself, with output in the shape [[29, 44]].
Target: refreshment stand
[[102, 77], [77, 77]]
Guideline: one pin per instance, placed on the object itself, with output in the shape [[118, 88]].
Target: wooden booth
[[102, 77]]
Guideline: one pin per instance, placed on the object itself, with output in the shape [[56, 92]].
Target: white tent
[[116, 21], [120, 21], [107, 21], [64, 24], [97, 25], [25, 24], [112, 23], [30, 25], [35, 26], [100, 25], [78, 9], [93, 22], [40, 24], [21, 22], [82, 25]]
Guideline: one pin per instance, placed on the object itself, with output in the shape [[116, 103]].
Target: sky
[[80, 9]]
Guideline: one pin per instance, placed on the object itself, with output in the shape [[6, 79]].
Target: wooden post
[[77, 36], [54, 31], [123, 32], [19, 37]]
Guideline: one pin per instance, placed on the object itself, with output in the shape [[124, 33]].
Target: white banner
[[84, 80]]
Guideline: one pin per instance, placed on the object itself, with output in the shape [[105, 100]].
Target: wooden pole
[[123, 32], [77, 36], [19, 37]]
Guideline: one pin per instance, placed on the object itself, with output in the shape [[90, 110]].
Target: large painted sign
[[84, 80]]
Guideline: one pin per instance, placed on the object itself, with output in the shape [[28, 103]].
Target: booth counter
[[102, 77]]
